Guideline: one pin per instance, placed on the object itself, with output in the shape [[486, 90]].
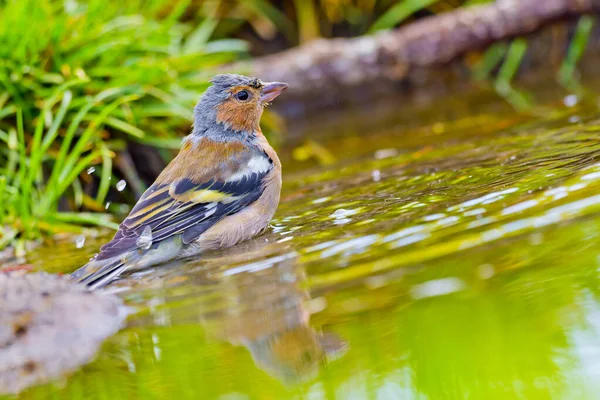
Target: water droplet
[[570, 100], [376, 175], [107, 205], [121, 185], [79, 241], [145, 240], [91, 170]]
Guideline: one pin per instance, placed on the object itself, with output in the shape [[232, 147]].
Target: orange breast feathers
[[205, 160]]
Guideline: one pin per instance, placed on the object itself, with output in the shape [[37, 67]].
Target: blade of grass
[[3, 199], [176, 12], [57, 121], [24, 201], [511, 64], [13, 156], [3, 99], [398, 13], [90, 130], [566, 73], [308, 22], [6, 111], [15, 94], [7, 237], [198, 38], [77, 193], [66, 143], [276, 17], [491, 58], [35, 158], [70, 175], [99, 219], [39, 148], [123, 126], [507, 72], [64, 176], [106, 174]]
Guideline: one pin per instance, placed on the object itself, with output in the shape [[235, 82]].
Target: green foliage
[[303, 20], [79, 80], [566, 74], [399, 13], [514, 56]]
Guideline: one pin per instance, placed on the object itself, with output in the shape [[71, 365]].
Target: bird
[[222, 188]]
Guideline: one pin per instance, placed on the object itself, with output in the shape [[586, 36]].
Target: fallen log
[[334, 65]]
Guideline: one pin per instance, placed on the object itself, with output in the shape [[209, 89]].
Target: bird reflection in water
[[262, 306]]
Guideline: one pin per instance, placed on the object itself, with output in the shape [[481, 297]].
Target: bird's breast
[[246, 223]]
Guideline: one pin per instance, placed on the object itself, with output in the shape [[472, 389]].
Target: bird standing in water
[[222, 188]]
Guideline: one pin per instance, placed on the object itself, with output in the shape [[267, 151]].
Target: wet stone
[[49, 326]]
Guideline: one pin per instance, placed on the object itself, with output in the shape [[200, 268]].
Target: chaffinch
[[222, 188]]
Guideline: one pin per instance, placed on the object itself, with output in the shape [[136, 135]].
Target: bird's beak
[[271, 90]]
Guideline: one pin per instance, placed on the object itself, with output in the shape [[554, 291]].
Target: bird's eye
[[242, 95]]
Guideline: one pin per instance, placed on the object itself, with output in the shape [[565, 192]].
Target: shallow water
[[456, 258]]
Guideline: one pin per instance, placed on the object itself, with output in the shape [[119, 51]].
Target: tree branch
[[327, 65]]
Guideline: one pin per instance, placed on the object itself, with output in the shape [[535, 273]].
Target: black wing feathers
[[160, 209]]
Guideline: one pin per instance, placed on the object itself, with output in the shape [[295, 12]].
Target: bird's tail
[[99, 273]]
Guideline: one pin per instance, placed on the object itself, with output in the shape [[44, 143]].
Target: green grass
[[399, 12], [80, 80], [567, 72], [300, 21]]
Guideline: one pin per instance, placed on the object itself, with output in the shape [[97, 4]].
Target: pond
[[454, 256]]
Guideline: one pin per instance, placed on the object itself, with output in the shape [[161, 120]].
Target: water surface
[[453, 257]]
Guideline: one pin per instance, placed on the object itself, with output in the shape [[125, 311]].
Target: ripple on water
[[468, 255]]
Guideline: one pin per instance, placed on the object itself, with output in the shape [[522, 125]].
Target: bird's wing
[[189, 206]]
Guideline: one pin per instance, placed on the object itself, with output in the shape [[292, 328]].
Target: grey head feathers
[[226, 81], [205, 113]]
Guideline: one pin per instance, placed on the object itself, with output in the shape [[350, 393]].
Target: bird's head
[[233, 105]]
